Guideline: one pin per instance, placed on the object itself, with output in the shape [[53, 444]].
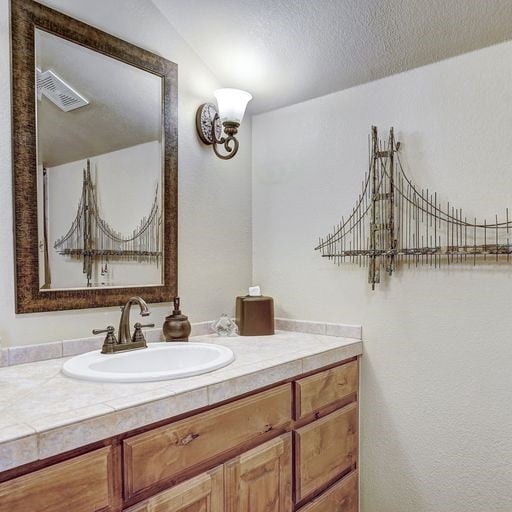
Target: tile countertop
[[44, 413]]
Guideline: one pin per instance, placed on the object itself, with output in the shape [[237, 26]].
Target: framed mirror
[[94, 165]]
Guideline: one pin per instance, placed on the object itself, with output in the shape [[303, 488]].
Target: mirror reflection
[[100, 160]]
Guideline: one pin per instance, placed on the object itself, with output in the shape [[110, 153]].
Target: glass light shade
[[231, 104]]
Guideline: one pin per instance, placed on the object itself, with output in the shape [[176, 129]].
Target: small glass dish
[[224, 326]]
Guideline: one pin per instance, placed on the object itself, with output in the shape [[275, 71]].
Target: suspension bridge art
[[394, 222]]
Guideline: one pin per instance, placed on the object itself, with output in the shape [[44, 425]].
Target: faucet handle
[[110, 330], [110, 339], [138, 335]]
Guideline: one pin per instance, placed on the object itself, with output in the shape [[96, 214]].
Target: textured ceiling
[[286, 51], [124, 109]]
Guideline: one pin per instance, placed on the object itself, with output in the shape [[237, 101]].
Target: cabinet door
[[83, 484], [324, 450], [341, 497], [260, 480], [204, 493]]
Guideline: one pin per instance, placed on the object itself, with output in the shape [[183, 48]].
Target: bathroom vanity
[[277, 434]]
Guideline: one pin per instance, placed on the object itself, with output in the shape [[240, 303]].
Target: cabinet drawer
[[82, 484], [341, 497], [162, 454], [325, 449], [325, 388], [203, 493]]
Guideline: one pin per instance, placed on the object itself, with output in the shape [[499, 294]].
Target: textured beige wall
[[215, 196], [436, 372]]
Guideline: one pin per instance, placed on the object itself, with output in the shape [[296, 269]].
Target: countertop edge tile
[[248, 382], [139, 399], [59, 440], [152, 412], [18, 452], [64, 419], [15, 431], [332, 356]]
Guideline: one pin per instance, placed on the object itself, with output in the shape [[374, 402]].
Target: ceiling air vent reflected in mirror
[[58, 91]]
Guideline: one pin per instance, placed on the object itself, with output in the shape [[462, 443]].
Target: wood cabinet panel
[[325, 388], [324, 449], [260, 480], [204, 493], [343, 496], [164, 453], [82, 484], [264, 478]]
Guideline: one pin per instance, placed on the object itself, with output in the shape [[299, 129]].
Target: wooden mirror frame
[[26, 16]]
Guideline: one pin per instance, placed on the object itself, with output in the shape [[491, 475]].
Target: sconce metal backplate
[[204, 121]]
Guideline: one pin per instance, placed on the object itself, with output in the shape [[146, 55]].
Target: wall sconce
[[210, 122]]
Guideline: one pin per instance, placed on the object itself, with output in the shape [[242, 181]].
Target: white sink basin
[[160, 361]]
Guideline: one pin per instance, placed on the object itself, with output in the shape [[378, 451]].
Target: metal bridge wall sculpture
[[91, 238], [394, 222]]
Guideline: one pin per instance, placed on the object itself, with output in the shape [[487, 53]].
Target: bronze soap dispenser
[[176, 326]]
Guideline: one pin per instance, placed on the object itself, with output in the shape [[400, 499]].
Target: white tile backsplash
[[201, 328], [56, 349], [4, 357], [329, 329], [32, 353], [80, 346]]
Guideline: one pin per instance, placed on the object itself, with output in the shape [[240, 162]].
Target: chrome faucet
[[126, 341]]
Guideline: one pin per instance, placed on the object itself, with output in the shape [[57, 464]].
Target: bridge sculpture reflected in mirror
[[91, 240]]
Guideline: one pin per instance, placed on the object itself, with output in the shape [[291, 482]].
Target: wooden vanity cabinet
[[291, 447]]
